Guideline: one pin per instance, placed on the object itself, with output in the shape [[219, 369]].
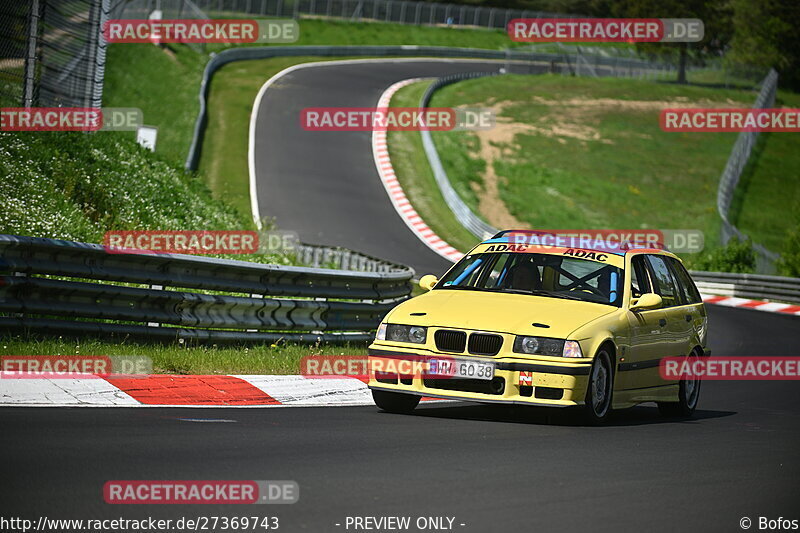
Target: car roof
[[505, 237]]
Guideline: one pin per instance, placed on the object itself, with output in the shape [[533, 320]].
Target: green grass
[[162, 83], [416, 177], [175, 359], [767, 202], [77, 186], [609, 166]]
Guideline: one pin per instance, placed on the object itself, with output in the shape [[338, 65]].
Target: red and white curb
[[758, 305], [401, 204], [162, 390]]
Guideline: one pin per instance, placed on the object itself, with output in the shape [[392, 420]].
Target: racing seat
[[524, 276]]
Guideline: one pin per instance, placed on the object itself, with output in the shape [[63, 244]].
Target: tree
[[765, 35], [714, 14]]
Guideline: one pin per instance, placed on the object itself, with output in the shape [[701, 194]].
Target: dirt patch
[[568, 119], [490, 205]]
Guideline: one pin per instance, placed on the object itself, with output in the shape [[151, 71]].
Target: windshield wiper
[[538, 292], [554, 294]]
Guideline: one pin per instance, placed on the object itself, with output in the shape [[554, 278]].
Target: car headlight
[[399, 333], [381, 334], [572, 349], [547, 346], [539, 346]]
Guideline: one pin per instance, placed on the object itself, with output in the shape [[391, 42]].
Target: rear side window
[[665, 283], [689, 290], [640, 282]]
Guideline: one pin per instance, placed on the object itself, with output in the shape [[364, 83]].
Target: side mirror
[[646, 301], [428, 281]]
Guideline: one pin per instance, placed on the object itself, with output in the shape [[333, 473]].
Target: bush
[[789, 263], [737, 256]]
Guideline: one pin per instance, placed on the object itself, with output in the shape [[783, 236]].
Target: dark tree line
[[755, 33]]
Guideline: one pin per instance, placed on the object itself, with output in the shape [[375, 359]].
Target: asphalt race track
[[492, 468], [324, 185]]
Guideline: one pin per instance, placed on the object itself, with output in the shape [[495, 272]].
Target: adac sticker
[[587, 254]]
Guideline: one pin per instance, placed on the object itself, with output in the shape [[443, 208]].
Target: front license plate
[[461, 368]]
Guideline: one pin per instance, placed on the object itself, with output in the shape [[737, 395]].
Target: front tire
[[688, 397], [597, 406], [395, 402]]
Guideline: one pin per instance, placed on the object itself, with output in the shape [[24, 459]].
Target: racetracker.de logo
[[188, 31], [608, 30], [182, 242], [730, 368], [73, 366], [730, 120], [200, 492], [70, 118], [395, 119], [610, 240]]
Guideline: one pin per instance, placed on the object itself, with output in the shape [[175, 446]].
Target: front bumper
[[551, 384]]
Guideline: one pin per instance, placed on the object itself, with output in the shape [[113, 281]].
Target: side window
[[640, 283], [665, 283], [688, 288]]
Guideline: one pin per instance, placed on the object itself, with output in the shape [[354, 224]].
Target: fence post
[[30, 56], [490, 24], [417, 12]]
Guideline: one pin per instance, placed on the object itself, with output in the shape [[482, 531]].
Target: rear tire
[[395, 402], [688, 397], [597, 406]]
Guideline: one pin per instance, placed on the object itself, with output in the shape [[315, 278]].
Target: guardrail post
[[155, 288]]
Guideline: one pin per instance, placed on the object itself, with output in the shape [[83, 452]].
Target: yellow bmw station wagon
[[544, 326]]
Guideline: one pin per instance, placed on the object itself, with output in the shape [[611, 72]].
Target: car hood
[[503, 313]]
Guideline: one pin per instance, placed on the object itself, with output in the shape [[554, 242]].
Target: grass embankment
[[78, 186], [175, 359], [589, 153], [767, 202]]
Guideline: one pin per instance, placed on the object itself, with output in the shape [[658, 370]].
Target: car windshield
[[547, 275]]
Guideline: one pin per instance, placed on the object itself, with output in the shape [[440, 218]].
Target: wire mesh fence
[[737, 162], [397, 11], [51, 52]]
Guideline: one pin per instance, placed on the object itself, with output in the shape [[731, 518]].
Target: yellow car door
[[639, 367]]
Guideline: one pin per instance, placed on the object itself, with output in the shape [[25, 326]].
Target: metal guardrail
[[475, 224], [269, 302], [264, 52], [737, 162], [753, 286]]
